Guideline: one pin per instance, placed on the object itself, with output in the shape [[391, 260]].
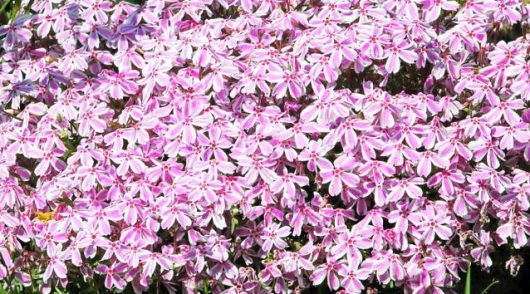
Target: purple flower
[[434, 223], [198, 140], [273, 235], [16, 32]]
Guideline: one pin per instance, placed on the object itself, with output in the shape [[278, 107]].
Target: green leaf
[[234, 219], [233, 225], [297, 245], [467, 289], [485, 291], [63, 134], [90, 290], [2, 8]]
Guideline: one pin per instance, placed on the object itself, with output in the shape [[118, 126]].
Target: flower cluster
[[263, 146]]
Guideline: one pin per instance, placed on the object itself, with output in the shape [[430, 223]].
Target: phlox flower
[[16, 32], [112, 275], [273, 236], [262, 146], [338, 174], [435, 222], [55, 265]]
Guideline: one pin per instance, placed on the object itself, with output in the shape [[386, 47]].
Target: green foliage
[[9, 10], [467, 290], [71, 141], [4, 6], [485, 291], [205, 289]]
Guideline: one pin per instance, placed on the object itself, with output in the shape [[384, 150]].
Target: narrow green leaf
[[467, 290], [2, 8], [485, 291]]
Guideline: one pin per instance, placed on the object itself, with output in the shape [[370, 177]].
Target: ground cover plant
[[275, 146]]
